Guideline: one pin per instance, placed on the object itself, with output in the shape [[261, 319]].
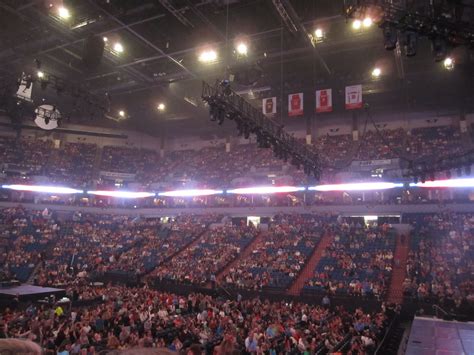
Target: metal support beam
[[176, 13], [291, 20], [143, 39]]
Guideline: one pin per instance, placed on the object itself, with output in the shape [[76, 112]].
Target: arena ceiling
[[162, 41]]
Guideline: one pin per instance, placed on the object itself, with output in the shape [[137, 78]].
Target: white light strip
[[362, 186], [260, 190], [190, 193], [122, 194], [455, 183], [45, 189]]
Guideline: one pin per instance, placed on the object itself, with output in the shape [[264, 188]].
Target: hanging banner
[[269, 106], [324, 100], [295, 104], [353, 97]]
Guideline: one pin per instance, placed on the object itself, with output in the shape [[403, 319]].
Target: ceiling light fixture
[[242, 48], [356, 25], [64, 13], [376, 72], [118, 47], [367, 22], [208, 56]]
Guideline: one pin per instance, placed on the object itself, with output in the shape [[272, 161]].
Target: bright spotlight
[[105, 39], [64, 13], [118, 47], [40, 74], [367, 22], [356, 25], [376, 72], [242, 48], [208, 56], [161, 107], [319, 33], [449, 63], [121, 113]]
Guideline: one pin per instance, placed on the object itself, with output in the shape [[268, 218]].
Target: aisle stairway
[[395, 291], [195, 240], [247, 251], [310, 266]]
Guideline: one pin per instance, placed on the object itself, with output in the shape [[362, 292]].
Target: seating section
[[89, 245], [118, 318], [246, 164], [28, 235], [212, 252], [279, 256], [73, 163], [156, 246], [440, 264], [27, 155], [358, 262]]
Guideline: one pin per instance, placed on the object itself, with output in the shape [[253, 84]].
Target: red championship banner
[[295, 104], [324, 100], [269, 106], [353, 97]]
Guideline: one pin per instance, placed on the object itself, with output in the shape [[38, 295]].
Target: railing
[[438, 309], [387, 332]]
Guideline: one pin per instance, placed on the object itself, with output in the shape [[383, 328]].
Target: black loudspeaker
[[93, 51]]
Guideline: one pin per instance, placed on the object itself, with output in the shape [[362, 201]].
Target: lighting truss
[[225, 103], [431, 23]]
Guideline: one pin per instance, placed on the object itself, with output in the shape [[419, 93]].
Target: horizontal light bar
[[190, 193], [122, 194], [455, 183], [362, 186], [260, 190], [45, 189]]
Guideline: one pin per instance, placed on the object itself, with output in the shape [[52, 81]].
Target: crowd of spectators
[[27, 235], [114, 318], [440, 265], [74, 163], [279, 255], [26, 154], [94, 245], [157, 246], [202, 260], [358, 262]]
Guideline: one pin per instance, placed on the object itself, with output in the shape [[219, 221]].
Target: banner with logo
[[269, 106], [295, 104], [324, 100], [353, 97]]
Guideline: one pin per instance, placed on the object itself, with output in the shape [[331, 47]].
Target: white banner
[[269, 106], [25, 88], [324, 100], [295, 104], [117, 176], [353, 97]]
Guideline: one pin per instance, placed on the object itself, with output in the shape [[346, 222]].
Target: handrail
[[438, 308], [225, 290], [389, 328]]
